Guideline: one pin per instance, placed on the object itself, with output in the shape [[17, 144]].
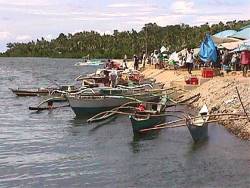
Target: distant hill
[[151, 37]]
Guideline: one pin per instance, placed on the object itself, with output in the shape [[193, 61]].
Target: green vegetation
[[152, 36]]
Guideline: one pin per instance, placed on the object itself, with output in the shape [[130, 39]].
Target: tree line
[[150, 37]]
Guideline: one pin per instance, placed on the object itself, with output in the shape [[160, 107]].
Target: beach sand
[[218, 93]]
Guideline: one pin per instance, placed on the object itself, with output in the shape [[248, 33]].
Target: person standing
[[233, 62], [161, 59], [245, 61], [125, 66], [136, 62], [189, 60], [156, 59], [144, 57], [113, 77]]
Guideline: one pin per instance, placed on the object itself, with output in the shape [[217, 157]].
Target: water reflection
[[140, 137], [194, 146], [76, 121], [102, 123]]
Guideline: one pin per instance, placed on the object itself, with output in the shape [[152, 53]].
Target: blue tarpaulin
[[208, 51], [225, 34], [243, 34]]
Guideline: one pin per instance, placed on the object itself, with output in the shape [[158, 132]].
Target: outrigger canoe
[[198, 126], [49, 104], [23, 92], [152, 115], [31, 92], [89, 105]]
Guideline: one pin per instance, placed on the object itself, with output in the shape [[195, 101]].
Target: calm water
[[53, 149]]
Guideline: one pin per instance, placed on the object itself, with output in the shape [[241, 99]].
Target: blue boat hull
[[198, 133], [139, 124]]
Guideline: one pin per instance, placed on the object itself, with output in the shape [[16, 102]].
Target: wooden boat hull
[[198, 133], [88, 105], [146, 123], [46, 108], [24, 93]]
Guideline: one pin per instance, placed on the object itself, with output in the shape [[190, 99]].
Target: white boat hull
[[85, 105]]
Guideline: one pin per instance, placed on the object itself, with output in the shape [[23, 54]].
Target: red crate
[[192, 80], [207, 73]]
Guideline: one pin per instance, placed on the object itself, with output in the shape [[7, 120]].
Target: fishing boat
[[125, 90], [148, 115], [98, 78], [92, 104], [23, 92], [198, 126], [49, 104], [89, 63]]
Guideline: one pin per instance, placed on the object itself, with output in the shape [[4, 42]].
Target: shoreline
[[218, 93]]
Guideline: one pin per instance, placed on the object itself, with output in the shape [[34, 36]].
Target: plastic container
[[207, 73], [193, 80]]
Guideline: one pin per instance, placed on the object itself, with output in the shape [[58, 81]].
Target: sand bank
[[218, 93]]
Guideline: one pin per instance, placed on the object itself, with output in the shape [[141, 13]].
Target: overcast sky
[[24, 20]]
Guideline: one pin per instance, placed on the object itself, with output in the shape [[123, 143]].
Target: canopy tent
[[225, 34], [246, 42], [230, 45], [242, 34], [163, 49], [174, 57], [218, 40], [241, 48], [245, 45], [208, 51]]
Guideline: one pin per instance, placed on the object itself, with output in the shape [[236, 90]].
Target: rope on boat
[[107, 114], [195, 97], [163, 127], [47, 100], [167, 125]]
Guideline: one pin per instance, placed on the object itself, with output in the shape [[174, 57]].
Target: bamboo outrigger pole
[[238, 93]]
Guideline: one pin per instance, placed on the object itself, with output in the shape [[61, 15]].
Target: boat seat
[[199, 121], [159, 107]]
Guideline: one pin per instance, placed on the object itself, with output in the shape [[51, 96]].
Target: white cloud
[[49, 37], [25, 3], [123, 5], [4, 35], [23, 38], [211, 19], [162, 20], [182, 7]]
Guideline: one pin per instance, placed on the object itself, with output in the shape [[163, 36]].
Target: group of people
[[141, 59], [226, 61], [235, 61], [157, 59]]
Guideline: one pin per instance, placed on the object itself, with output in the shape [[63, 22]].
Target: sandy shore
[[219, 93]]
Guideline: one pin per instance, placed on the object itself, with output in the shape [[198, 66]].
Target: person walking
[[189, 60]]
